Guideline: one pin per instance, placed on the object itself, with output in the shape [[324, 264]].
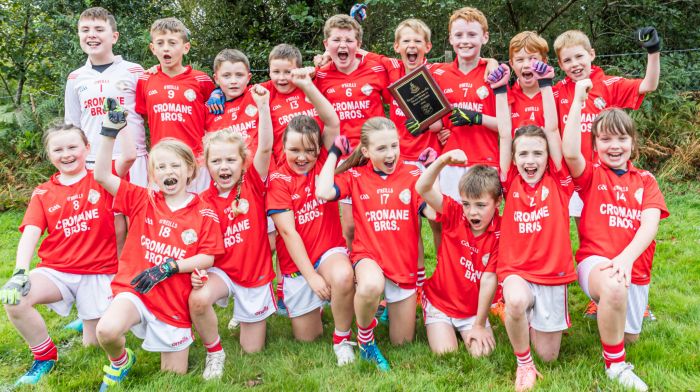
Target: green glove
[[15, 288]]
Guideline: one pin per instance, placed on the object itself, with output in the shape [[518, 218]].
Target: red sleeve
[[206, 87], [35, 214], [653, 198], [130, 198], [625, 93], [582, 183], [493, 259], [141, 97], [452, 213], [343, 183], [211, 240], [279, 196]]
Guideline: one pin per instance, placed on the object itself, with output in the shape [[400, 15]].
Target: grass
[[667, 356]]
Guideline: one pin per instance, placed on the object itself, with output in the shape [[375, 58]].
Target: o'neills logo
[[180, 342]]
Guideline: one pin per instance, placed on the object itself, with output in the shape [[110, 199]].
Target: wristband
[[335, 151], [544, 83], [500, 90]]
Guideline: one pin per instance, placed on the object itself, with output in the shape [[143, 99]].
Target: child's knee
[[107, 332], [198, 302], [631, 338]]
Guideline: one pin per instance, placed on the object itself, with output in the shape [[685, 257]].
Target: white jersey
[[86, 91]]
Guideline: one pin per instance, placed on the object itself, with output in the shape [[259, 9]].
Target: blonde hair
[[531, 131], [100, 14], [469, 14], [225, 136], [309, 130], [480, 180], [615, 121], [342, 22], [571, 38], [60, 127], [286, 52], [372, 125], [416, 25], [180, 149], [170, 25], [531, 42], [232, 56]]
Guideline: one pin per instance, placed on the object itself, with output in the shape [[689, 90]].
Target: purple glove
[[428, 156], [340, 147], [359, 12], [499, 79]]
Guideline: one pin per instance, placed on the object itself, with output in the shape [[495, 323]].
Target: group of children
[[307, 165]]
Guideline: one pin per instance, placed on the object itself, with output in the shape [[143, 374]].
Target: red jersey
[[80, 225], [607, 92], [241, 115], [411, 146], [247, 259], [523, 109], [356, 97], [385, 210], [316, 221], [612, 213], [175, 106], [284, 107], [461, 261], [535, 243], [469, 92], [157, 233]]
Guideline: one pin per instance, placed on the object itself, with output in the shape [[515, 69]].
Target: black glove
[[114, 118], [150, 277], [413, 127], [461, 117], [648, 38]]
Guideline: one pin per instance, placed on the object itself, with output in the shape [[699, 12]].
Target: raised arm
[[128, 156], [571, 143], [424, 185], [263, 153], [499, 80], [301, 77], [113, 121], [544, 74], [648, 38]]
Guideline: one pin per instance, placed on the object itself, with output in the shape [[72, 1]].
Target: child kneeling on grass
[[172, 233]]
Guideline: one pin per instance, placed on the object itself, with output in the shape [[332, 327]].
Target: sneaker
[[591, 311], [75, 325], [344, 352], [499, 309], [214, 365], [380, 309], [233, 324], [622, 373], [525, 377], [370, 352], [384, 318], [38, 370], [282, 309], [115, 375], [648, 315]]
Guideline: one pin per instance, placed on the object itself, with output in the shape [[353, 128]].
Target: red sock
[[339, 336], [45, 350], [613, 353], [120, 360], [366, 335], [421, 277], [524, 358], [214, 346]]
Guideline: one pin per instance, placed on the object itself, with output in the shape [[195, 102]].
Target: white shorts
[[201, 183], [394, 293], [637, 295], [250, 304], [433, 315], [157, 335], [270, 225], [91, 294], [449, 180], [550, 309], [575, 205], [299, 298]]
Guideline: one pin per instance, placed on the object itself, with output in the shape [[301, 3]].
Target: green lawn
[[667, 356]]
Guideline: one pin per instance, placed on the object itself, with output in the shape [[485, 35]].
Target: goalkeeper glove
[[150, 277]]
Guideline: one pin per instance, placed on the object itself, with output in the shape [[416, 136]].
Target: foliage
[[39, 47]]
